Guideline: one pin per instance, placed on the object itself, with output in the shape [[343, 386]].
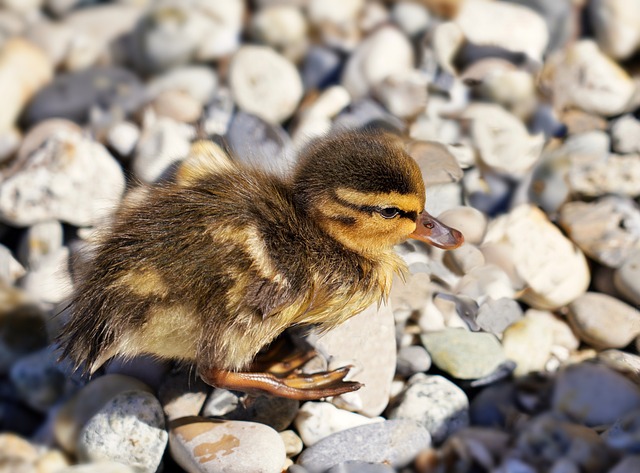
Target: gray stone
[[594, 394], [464, 354], [360, 467], [624, 434], [201, 445], [604, 321], [320, 68], [626, 278], [495, 316], [494, 405], [182, 394], [394, 442], [628, 464], [411, 360], [435, 403], [22, 330], [129, 429]]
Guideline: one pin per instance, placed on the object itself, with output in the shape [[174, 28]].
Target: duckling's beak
[[431, 230]]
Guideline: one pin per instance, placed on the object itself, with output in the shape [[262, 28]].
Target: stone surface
[[529, 342], [317, 420], [394, 442], [464, 354], [366, 341], [201, 445], [617, 26], [412, 359], [495, 316], [617, 174], [594, 394], [627, 278], [182, 394], [70, 178], [265, 83], [625, 134], [129, 429], [559, 272], [603, 321], [283, 27], [435, 403], [22, 328]]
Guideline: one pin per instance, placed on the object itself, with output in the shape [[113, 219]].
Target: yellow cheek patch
[[406, 202]]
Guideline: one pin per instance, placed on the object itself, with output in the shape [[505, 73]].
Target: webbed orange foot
[[302, 387]]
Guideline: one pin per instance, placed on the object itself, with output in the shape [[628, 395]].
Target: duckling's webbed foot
[[302, 387]]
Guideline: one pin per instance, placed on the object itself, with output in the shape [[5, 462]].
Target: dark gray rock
[[321, 68]]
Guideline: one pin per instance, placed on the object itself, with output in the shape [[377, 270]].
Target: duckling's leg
[[282, 357], [296, 386]]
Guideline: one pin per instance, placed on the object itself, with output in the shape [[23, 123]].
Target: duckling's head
[[366, 192]]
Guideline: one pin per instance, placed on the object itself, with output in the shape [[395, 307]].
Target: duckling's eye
[[389, 212]]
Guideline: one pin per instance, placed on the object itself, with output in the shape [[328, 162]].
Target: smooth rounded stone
[[175, 32], [594, 394], [484, 282], [394, 442], [261, 144], [201, 445], [149, 369], [315, 120], [163, 142], [10, 268], [558, 274], [464, 259], [352, 466], [618, 174], [442, 197], [547, 440], [495, 315], [411, 360], [608, 229], [464, 354], [503, 141], [625, 134], [18, 455], [70, 178], [337, 21], [50, 282], [561, 333], [435, 403], [199, 82], [99, 467], [494, 405], [582, 76], [386, 52], [617, 26], [507, 26], [177, 105], [627, 465], [182, 394], [276, 412], [374, 15], [264, 83], [317, 420], [470, 221], [411, 17], [10, 140], [24, 70], [528, 342], [548, 187], [39, 379], [123, 138], [367, 113], [409, 297], [129, 429], [622, 362], [72, 95], [437, 164], [404, 94], [292, 442], [603, 321], [283, 27], [559, 19], [624, 434], [320, 68], [39, 242], [76, 411], [366, 341], [627, 278]]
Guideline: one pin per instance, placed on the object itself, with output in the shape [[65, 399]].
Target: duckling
[[214, 266]]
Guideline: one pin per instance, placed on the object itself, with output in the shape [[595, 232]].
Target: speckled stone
[[201, 445], [394, 442], [464, 354], [435, 403], [129, 429]]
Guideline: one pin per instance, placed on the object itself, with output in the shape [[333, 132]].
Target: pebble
[[72, 95], [17, 455], [624, 434], [464, 259], [284, 28], [384, 53], [129, 429], [123, 138], [292, 443], [70, 178], [409, 298], [494, 405], [394, 442], [337, 21], [316, 119], [607, 229], [22, 329], [582, 76], [625, 135], [317, 420], [199, 82], [626, 278], [412, 359], [50, 282], [618, 174], [502, 140], [558, 274], [603, 321], [366, 341], [182, 394], [404, 94], [496, 315], [24, 70], [504, 25], [435, 403], [486, 282], [277, 413], [177, 105], [76, 411], [54, 38], [437, 164], [617, 26], [529, 343], [464, 354], [320, 68], [470, 221], [10, 140], [265, 83], [594, 394], [99, 467], [412, 18], [201, 445], [627, 465]]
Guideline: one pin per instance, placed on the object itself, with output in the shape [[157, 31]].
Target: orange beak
[[430, 230]]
